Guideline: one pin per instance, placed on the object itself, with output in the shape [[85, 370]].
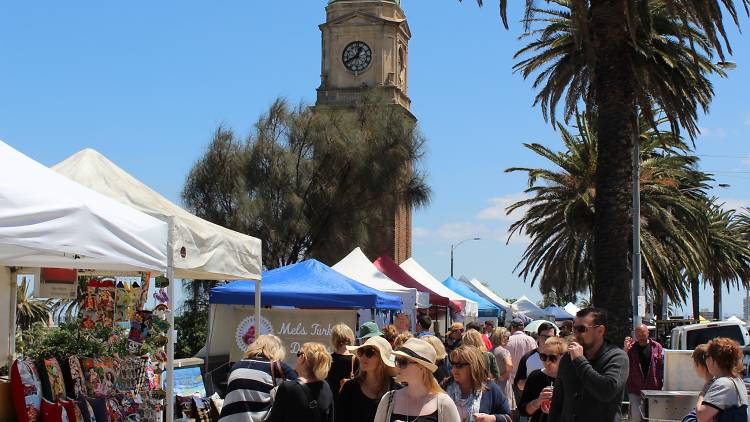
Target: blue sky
[[146, 84]]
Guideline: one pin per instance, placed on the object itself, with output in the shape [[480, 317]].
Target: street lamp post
[[453, 248]]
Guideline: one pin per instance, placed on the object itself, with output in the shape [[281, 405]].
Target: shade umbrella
[[533, 326]]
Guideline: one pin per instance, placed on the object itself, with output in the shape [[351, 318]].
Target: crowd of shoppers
[[386, 376]]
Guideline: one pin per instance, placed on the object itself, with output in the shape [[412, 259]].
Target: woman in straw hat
[[443, 372], [477, 399], [359, 397], [422, 400], [308, 398]]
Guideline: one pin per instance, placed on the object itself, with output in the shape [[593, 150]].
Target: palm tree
[[727, 252], [561, 213], [29, 310], [626, 53]]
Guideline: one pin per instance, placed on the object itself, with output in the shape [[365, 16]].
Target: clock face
[[357, 56]]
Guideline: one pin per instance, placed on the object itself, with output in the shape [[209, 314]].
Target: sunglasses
[[551, 358], [300, 353], [583, 328], [403, 363], [366, 351], [459, 365]]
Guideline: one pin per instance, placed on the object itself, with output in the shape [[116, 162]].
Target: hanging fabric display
[[98, 305]]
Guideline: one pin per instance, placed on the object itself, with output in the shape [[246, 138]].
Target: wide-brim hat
[[384, 351], [419, 351]]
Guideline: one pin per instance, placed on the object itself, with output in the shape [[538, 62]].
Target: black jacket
[[590, 391]]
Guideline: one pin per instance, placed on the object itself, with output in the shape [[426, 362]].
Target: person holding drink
[[536, 398]]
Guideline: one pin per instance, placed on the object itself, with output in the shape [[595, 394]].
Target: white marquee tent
[[411, 266], [358, 267], [47, 220], [571, 308], [199, 249], [489, 295], [528, 308]]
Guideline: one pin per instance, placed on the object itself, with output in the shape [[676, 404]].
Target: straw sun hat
[[384, 350], [419, 351]]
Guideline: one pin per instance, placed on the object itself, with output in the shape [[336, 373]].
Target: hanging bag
[[734, 414], [351, 375]]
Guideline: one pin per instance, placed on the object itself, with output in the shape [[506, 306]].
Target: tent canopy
[[571, 308], [558, 312], [201, 250], [484, 307], [467, 307], [488, 294], [49, 220], [529, 308], [306, 284], [397, 274], [358, 267]]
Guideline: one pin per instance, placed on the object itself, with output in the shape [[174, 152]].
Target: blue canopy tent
[[307, 284], [559, 313], [486, 308]]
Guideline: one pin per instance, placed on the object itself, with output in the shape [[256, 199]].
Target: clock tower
[[365, 47]]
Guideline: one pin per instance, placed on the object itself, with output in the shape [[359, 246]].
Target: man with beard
[[591, 380]]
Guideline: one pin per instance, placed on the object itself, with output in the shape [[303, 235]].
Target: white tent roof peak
[[202, 250], [417, 272], [358, 267]]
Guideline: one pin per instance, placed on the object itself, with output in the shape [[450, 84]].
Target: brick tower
[[365, 46]]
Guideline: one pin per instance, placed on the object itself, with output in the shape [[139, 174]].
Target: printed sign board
[[294, 326]]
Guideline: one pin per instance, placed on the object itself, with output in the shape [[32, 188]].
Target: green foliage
[[312, 183], [559, 214], [192, 323], [30, 310], [70, 339]]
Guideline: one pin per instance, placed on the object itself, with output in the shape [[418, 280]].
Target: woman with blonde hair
[[727, 396], [359, 397], [504, 361], [474, 338], [536, 397], [251, 380], [308, 398], [443, 372], [422, 400], [344, 365], [477, 399]]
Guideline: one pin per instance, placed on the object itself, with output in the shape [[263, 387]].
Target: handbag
[[351, 376], [733, 414]]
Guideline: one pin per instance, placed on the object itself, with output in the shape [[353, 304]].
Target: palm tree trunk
[[615, 108], [695, 292], [717, 300]]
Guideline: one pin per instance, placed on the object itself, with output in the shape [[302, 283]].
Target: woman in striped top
[[251, 380]]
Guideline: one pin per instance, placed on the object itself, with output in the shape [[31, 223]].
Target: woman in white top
[[422, 400]]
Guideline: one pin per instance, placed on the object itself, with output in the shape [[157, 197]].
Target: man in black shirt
[[591, 380]]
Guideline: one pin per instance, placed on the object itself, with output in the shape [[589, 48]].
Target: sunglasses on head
[[583, 328], [366, 351], [551, 358], [403, 363], [459, 365]]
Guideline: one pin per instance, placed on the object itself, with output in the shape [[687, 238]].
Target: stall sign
[[294, 326], [58, 283]]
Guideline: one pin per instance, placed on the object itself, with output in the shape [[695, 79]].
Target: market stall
[[468, 307], [488, 294], [47, 220], [322, 297], [198, 249], [485, 309], [358, 267], [558, 313], [529, 309]]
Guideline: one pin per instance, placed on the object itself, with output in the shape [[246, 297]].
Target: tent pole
[[257, 308], [206, 374], [14, 304], [171, 336]]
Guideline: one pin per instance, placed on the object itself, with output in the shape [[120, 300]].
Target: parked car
[[687, 337]]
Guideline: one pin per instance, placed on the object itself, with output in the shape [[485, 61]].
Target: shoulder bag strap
[[273, 372], [351, 374]]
